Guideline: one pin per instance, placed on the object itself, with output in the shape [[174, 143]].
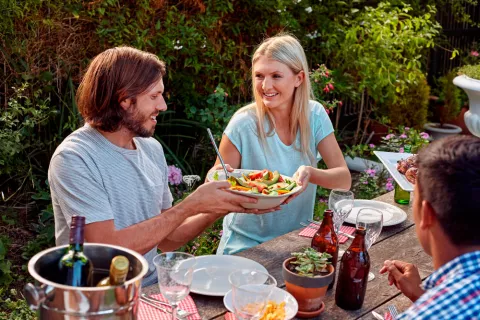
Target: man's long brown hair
[[113, 76]]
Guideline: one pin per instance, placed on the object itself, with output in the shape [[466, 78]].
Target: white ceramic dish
[[264, 201], [391, 215], [278, 295], [210, 276], [389, 160]]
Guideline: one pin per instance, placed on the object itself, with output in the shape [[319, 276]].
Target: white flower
[[309, 9], [190, 180], [177, 47], [279, 11]]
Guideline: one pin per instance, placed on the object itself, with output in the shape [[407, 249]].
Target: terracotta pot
[[309, 292]]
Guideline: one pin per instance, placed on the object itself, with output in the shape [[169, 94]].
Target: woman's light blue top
[[242, 231]]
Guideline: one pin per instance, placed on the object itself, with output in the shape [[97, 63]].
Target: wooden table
[[396, 242]]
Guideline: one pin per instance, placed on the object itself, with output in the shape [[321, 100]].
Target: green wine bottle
[[401, 196], [75, 268]]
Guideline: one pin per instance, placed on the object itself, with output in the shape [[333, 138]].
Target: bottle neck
[[358, 244], [328, 219], [77, 237]]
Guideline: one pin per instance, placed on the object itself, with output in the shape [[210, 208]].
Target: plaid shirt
[[453, 291]]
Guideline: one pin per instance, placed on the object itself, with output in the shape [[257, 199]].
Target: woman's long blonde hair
[[286, 49]]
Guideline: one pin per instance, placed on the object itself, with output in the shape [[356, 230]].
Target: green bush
[[410, 106], [472, 71]]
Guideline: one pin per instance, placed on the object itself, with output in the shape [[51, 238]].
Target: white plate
[[264, 201], [278, 295], [391, 215], [389, 160], [210, 276]]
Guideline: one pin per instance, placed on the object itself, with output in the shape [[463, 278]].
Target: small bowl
[[264, 201]]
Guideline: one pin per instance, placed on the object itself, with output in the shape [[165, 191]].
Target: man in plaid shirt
[[446, 211]]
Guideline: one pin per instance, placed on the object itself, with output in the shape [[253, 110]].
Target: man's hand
[[215, 198], [405, 277], [302, 177]]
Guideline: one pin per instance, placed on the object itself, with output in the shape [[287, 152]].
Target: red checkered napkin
[[230, 316], [147, 312], [310, 232]]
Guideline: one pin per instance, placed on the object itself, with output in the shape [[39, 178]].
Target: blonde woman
[[282, 130]]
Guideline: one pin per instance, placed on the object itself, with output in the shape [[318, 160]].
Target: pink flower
[[331, 86], [474, 53], [226, 94], [371, 145], [365, 182], [371, 172], [326, 89], [403, 136], [340, 103], [174, 175], [424, 135], [328, 111], [407, 128], [389, 136], [220, 233], [401, 150], [389, 186]]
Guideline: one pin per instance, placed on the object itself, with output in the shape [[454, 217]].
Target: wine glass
[[175, 274], [372, 220], [251, 290], [340, 202]]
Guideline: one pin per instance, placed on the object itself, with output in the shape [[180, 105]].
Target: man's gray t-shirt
[[92, 177]]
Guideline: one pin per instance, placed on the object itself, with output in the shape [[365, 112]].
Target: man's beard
[[133, 121]]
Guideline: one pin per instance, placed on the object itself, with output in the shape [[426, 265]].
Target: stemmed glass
[[372, 220], [175, 274], [251, 290], [341, 202]]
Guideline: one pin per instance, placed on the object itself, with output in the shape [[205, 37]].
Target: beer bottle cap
[[120, 264]]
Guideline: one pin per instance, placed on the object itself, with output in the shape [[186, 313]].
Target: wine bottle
[[75, 268], [118, 272]]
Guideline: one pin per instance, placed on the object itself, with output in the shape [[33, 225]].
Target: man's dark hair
[[449, 179], [113, 76]]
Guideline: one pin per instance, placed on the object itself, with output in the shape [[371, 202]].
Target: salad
[[262, 182]]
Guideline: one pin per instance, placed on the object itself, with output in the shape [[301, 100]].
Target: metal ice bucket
[[57, 301]]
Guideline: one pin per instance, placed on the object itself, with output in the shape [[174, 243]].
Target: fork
[[155, 303], [393, 311]]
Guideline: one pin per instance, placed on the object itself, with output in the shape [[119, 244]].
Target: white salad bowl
[[264, 201]]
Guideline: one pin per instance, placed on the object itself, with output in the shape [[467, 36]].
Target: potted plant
[[469, 80], [448, 108], [307, 275], [360, 157]]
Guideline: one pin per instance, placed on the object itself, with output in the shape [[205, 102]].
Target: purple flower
[[194, 248], [371, 145], [407, 128], [403, 136], [401, 150], [365, 182], [371, 172], [220, 233], [424, 135], [389, 186], [389, 136], [174, 175]]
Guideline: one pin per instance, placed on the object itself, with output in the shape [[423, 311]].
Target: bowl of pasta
[[270, 188]]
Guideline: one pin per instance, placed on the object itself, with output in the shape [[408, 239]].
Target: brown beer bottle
[[353, 274], [325, 240]]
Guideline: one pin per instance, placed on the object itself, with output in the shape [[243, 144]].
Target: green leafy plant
[[404, 137], [472, 71], [410, 105], [360, 150], [449, 101], [372, 183], [323, 85], [310, 263]]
